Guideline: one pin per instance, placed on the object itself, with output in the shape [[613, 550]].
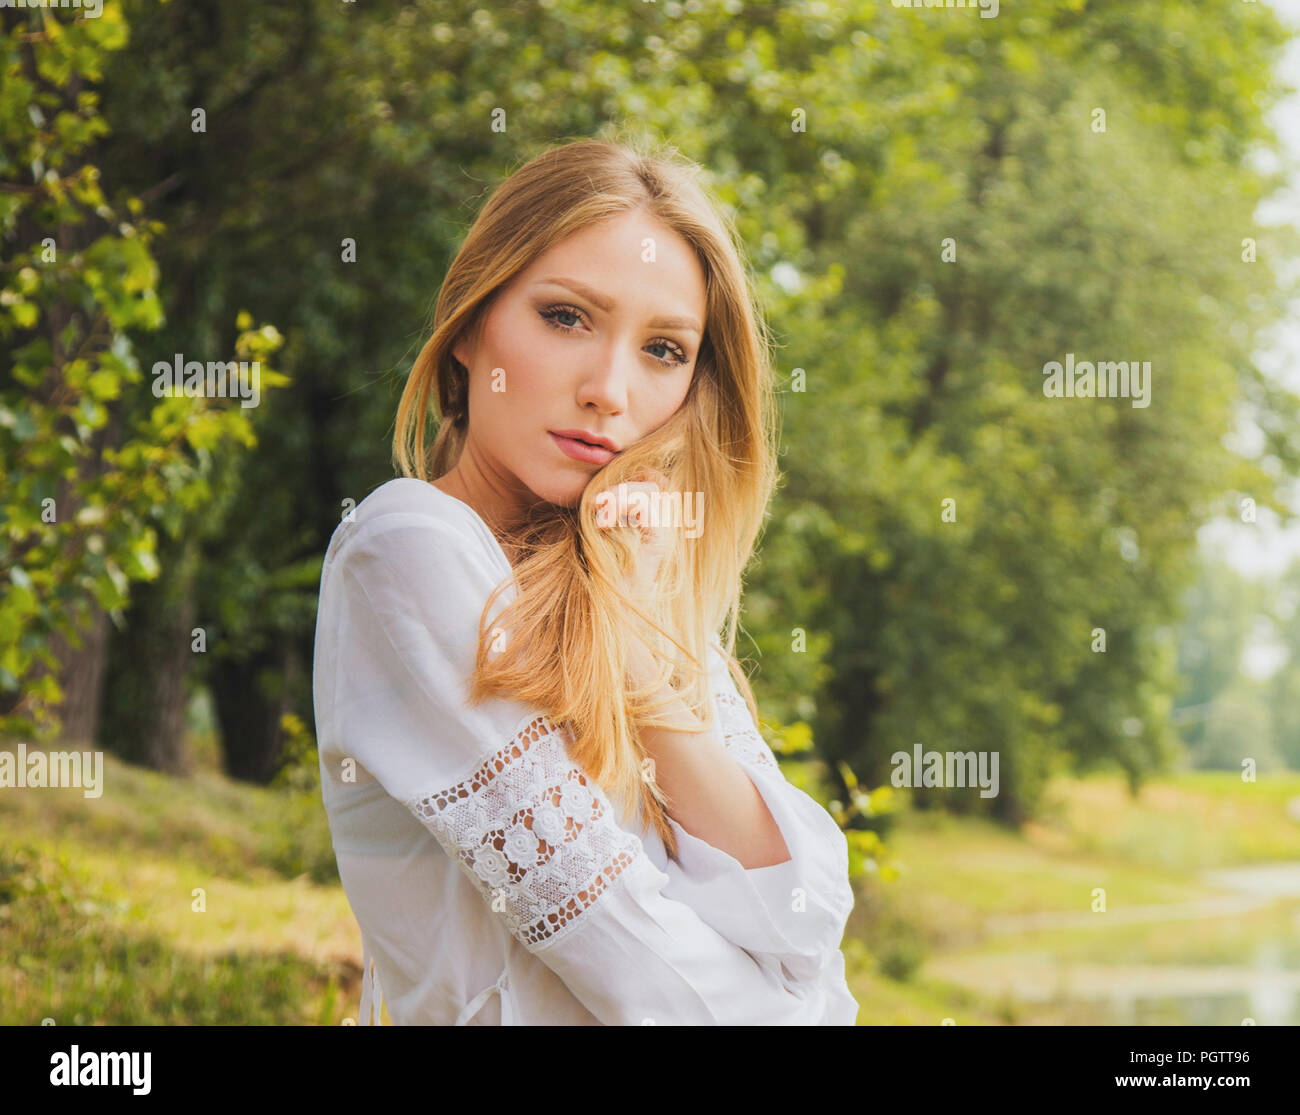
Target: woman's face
[[590, 339]]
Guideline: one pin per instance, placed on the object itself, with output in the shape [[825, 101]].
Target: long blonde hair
[[566, 652]]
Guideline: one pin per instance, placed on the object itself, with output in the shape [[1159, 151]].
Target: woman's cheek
[[525, 382]]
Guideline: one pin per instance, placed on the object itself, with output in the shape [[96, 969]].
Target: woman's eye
[[552, 314], [679, 355]]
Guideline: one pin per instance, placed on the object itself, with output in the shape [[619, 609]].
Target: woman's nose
[[605, 384]]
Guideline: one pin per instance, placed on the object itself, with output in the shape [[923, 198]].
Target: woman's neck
[[453, 484]]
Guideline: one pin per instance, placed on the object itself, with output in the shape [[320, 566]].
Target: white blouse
[[471, 916]]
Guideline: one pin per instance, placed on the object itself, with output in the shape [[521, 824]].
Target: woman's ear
[[467, 343], [463, 352]]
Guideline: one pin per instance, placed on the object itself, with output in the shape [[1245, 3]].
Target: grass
[[81, 950], [203, 901], [168, 901]]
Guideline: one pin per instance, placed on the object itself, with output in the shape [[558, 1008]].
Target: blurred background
[[936, 203]]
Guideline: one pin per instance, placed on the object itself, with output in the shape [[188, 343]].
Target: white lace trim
[[739, 733], [539, 837]]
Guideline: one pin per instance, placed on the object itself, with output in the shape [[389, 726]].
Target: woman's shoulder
[[407, 495], [406, 511]]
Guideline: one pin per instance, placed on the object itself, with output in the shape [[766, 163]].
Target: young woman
[[549, 800]]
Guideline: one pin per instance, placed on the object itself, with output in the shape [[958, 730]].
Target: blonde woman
[[549, 800]]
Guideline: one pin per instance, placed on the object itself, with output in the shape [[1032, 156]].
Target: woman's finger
[[629, 511]]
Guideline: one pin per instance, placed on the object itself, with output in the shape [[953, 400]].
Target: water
[[1261, 983]]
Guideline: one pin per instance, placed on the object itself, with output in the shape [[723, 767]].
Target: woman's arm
[[709, 794]]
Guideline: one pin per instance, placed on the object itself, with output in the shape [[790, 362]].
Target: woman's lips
[[581, 451]]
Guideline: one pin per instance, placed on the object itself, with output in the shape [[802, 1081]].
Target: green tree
[[856, 144], [84, 489]]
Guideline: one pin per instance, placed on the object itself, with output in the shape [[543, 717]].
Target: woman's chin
[[562, 493]]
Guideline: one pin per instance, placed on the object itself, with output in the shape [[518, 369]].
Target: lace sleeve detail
[[739, 733], [535, 833]]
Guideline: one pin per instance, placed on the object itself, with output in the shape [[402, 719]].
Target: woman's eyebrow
[[605, 303]]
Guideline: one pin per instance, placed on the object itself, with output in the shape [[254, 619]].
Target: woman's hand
[[632, 504]]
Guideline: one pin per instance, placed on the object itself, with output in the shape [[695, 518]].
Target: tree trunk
[[249, 699], [146, 694], [81, 668], [81, 674]]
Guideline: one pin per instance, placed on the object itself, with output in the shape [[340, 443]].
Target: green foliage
[[301, 763], [300, 844], [84, 486], [921, 379], [899, 948], [865, 818]]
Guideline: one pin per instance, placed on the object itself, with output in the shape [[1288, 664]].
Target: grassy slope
[[97, 905], [97, 918]]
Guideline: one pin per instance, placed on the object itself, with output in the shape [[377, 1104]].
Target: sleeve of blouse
[[495, 786], [794, 912]]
